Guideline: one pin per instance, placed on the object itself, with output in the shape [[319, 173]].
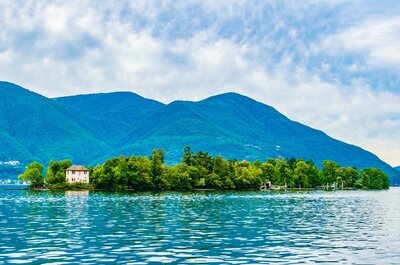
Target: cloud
[[377, 41], [311, 59]]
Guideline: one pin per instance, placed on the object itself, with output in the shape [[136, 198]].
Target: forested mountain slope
[[91, 128]]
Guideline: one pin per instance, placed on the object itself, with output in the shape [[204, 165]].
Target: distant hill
[[91, 128], [236, 126], [124, 107], [33, 127]]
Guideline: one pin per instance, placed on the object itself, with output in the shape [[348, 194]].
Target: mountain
[[119, 110], [236, 126], [124, 107], [91, 128], [33, 127]]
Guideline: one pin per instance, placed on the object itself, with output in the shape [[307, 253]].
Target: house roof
[[77, 168]]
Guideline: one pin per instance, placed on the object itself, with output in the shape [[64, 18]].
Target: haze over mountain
[[91, 128]]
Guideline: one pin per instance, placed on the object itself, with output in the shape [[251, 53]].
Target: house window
[[73, 172]]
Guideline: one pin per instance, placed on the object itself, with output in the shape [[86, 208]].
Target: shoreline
[[192, 190], [26, 188]]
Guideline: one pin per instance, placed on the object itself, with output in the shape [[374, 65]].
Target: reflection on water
[[356, 227], [73, 193]]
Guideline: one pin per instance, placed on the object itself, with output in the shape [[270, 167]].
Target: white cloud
[[377, 40], [74, 47]]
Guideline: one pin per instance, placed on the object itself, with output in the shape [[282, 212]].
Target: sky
[[333, 65]]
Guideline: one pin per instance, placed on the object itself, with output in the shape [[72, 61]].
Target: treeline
[[54, 177], [200, 170]]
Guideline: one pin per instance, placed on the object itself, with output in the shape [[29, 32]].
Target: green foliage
[[180, 177], [200, 170], [43, 129], [89, 128], [348, 175], [301, 170], [187, 156], [313, 174], [124, 173], [33, 174], [158, 170], [56, 171], [329, 172], [140, 173], [247, 176], [72, 186], [374, 178], [124, 107]]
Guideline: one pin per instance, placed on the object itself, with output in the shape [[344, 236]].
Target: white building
[[77, 174]]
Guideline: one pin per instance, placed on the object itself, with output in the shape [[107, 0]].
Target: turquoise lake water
[[347, 227]]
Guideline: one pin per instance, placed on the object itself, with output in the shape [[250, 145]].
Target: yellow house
[[77, 174]]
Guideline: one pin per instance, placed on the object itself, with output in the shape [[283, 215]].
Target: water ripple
[[356, 227]]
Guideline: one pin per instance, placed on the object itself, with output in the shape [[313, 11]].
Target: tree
[[292, 163], [103, 176], [270, 173], [158, 169], [202, 170], [329, 172], [121, 174], [140, 176], [202, 159], [180, 176], [33, 174], [187, 156], [348, 176], [374, 178], [286, 176], [247, 176], [222, 173], [301, 174], [313, 177], [56, 171]]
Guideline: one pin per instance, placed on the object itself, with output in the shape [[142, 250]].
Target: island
[[202, 171]]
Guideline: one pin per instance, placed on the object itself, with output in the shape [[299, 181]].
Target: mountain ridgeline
[[88, 129]]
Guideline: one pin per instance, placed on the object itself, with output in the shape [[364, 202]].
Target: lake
[[348, 227]]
